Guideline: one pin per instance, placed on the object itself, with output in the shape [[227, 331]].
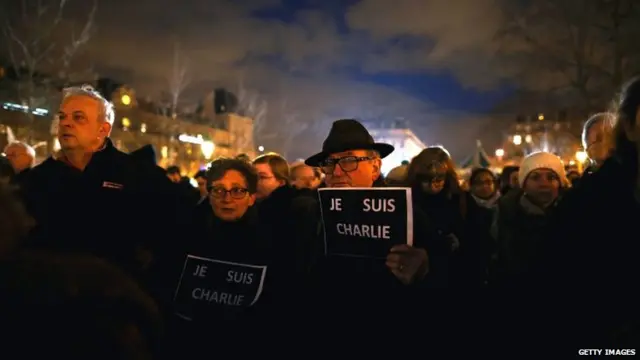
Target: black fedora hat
[[348, 134]]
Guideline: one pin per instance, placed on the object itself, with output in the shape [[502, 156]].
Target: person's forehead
[[484, 175], [263, 168], [232, 176], [543, 171], [348, 153], [304, 170], [82, 102]]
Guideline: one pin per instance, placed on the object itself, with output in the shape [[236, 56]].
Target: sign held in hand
[[210, 282], [366, 222]]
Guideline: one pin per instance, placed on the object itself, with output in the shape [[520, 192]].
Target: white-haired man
[[90, 197]]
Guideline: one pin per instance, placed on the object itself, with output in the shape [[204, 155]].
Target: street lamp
[[499, 153], [517, 139], [207, 148], [126, 100]]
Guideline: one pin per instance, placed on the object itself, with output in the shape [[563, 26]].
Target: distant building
[[406, 143]]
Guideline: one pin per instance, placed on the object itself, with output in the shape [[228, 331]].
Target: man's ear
[[377, 163], [252, 199], [105, 129]]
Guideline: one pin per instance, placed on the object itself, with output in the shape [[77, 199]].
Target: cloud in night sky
[[308, 55]]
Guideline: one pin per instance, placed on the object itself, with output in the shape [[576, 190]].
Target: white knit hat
[[541, 160]]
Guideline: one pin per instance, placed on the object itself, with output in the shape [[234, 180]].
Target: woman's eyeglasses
[[235, 193]]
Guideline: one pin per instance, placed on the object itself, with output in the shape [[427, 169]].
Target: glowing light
[[528, 138], [207, 148], [517, 139], [164, 151], [143, 128], [17, 107], [261, 148], [126, 99], [126, 122], [198, 140], [541, 117], [581, 156], [499, 152]]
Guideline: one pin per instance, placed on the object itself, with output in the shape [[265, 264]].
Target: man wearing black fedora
[[351, 158]]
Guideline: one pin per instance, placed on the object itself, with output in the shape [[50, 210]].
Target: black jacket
[[113, 209]]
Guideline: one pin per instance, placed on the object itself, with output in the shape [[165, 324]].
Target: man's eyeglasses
[[236, 193], [347, 163]]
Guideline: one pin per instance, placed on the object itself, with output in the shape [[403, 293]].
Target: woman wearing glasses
[[460, 223], [229, 272]]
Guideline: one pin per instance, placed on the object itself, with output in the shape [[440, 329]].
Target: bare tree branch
[[40, 40], [179, 78], [250, 104], [581, 44]]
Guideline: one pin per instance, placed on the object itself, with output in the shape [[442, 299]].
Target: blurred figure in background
[[397, 176], [484, 187], [596, 138], [273, 173], [244, 157], [509, 179], [174, 174], [304, 177]]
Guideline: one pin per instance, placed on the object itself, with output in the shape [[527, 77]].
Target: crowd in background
[[94, 243]]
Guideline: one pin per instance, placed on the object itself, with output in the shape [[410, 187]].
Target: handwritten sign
[[366, 222], [208, 282]]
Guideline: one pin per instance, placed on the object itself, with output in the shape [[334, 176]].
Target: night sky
[[426, 61]]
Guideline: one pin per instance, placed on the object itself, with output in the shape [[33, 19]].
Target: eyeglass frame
[[222, 192], [336, 161]]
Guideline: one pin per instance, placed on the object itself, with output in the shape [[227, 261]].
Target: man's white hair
[[107, 114]]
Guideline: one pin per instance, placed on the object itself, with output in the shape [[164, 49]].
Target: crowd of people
[[97, 247]]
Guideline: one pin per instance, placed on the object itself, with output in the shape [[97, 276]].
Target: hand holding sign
[[407, 263]]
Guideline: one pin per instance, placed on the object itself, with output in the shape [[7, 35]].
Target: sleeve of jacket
[[426, 237], [305, 212]]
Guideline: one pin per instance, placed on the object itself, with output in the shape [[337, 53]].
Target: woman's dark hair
[[421, 163], [626, 108], [477, 171], [506, 174], [220, 166]]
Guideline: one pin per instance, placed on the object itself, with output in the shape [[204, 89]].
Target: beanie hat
[[541, 160]]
